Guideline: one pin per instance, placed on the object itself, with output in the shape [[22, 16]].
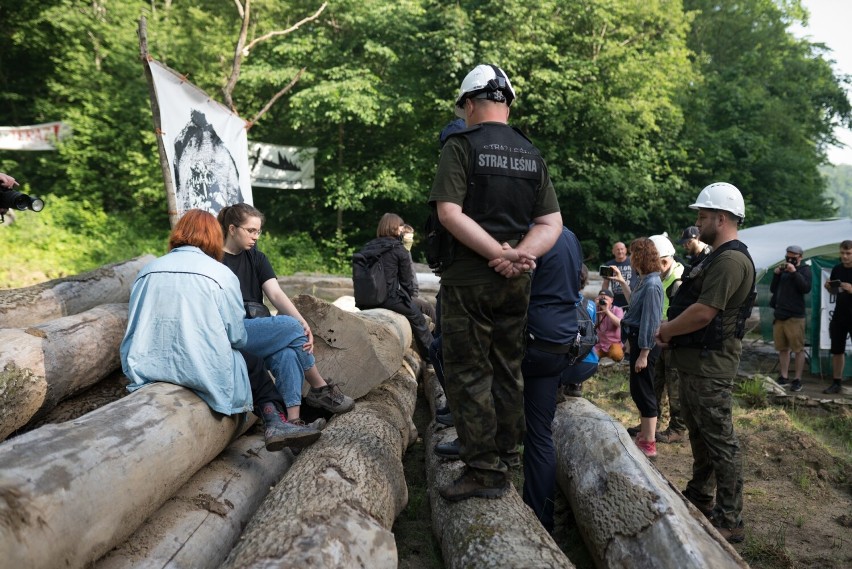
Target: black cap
[[690, 232]]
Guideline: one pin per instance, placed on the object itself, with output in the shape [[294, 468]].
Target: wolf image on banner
[[206, 175]]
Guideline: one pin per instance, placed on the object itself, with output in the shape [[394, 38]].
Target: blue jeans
[[279, 340]]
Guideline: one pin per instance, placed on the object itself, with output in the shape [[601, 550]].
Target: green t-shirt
[[727, 283], [450, 185]]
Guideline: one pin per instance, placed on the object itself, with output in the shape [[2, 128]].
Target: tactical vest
[[712, 336], [504, 179]]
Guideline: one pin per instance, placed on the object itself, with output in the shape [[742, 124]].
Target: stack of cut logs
[[155, 479]]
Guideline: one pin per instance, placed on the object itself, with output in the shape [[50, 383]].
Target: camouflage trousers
[[483, 345], [717, 464], [666, 383]]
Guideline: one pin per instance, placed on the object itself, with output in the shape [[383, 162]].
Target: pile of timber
[[158, 479], [628, 514]]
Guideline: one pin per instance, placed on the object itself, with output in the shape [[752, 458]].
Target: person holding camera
[[609, 327], [790, 283], [840, 327], [621, 263]]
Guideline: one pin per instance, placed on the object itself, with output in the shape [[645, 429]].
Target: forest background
[[634, 105]]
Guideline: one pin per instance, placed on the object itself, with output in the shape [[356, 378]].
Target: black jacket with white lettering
[[504, 180]]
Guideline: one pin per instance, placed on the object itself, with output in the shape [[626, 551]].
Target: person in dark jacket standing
[[396, 262], [790, 283]]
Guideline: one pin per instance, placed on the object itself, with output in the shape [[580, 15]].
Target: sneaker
[[280, 433], [648, 448], [633, 431], [330, 398], [473, 485], [574, 390], [446, 419], [318, 424], [833, 388], [448, 450], [796, 386], [782, 380], [669, 436], [731, 535]]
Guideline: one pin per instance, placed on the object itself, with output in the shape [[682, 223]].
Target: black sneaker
[[833, 388], [633, 431], [782, 380], [796, 386], [574, 390], [472, 485]]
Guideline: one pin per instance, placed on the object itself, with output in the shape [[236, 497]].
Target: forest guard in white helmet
[[485, 82], [494, 199], [705, 329]]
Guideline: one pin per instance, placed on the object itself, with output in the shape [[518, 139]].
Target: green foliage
[[68, 238], [752, 392], [635, 105], [839, 187]]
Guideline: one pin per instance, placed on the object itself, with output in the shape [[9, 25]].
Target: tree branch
[[277, 96], [291, 29], [228, 89]]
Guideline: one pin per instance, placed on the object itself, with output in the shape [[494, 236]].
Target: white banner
[[284, 167], [827, 303], [205, 143], [33, 137]]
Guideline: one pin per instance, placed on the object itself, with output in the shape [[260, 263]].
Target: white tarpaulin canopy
[[768, 243]]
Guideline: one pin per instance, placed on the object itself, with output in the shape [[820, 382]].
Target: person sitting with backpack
[[573, 377], [382, 278]]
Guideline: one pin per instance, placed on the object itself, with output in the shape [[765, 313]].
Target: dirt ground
[[797, 490]]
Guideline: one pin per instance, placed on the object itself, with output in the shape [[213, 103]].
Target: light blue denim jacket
[[184, 326]]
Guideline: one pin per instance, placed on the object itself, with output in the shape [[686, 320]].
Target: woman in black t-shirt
[[284, 341]]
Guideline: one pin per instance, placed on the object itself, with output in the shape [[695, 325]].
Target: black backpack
[[587, 334], [368, 277]]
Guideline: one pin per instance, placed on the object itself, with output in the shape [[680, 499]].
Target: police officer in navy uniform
[[493, 194]]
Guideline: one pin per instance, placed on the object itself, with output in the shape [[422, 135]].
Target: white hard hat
[[485, 82], [663, 245], [721, 195]]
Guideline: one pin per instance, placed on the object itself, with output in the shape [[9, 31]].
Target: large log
[[71, 492], [200, 524], [628, 514], [357, 350], [21, 307], [46, 363], [336, 505], [477, 532]]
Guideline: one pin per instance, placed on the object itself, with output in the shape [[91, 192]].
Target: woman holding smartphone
[[639, 325]]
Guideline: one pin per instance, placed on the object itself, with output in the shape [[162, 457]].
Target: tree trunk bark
[[46, 363], [477, 532], [22, 307], [628, 514], [336, 505], [357, 350], [71, 492], [199, 525]]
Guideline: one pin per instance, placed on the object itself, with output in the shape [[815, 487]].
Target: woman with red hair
[[640, 325], [185, 326]]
